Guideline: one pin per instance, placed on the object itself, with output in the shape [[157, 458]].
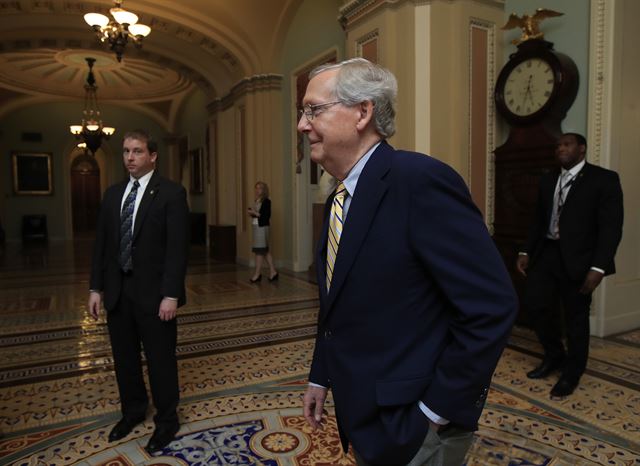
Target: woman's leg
[[272, 269], [256, 274]]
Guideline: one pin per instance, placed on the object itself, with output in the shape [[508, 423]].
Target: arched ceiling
[[211, 44], [64, 72]]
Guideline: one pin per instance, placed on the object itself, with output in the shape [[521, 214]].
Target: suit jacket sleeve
[[319, 373], [177, 244], [610, 219], [462, 259], [96, 281]]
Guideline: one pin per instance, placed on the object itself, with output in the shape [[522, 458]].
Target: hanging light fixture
[[117, 33], [91, 131]]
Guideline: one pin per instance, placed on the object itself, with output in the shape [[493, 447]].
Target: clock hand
[[528, 91]]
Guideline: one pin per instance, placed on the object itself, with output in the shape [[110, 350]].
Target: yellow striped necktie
[[335, 230]]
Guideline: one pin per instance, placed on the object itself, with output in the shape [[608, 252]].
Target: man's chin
[[316, 157]]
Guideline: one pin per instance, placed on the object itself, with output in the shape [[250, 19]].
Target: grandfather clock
[[533, 92]]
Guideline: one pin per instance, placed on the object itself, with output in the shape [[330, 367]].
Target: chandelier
[[117, 33], [91, 131]]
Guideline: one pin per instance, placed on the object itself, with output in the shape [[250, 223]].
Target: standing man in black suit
[[139, 266], [571, 245], [415, 301]]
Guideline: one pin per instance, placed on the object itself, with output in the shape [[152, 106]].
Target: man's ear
[[366, 114]]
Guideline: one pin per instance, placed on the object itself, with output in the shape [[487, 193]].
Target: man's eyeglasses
[[311, 111]]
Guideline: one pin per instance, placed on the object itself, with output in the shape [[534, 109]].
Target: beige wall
[[248, 149], [227, 149], [428, 47]]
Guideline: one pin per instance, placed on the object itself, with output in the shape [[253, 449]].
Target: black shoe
[[123, 428], [564, 387], [544, 369], [162, 436], [274, 278], [256, 280]]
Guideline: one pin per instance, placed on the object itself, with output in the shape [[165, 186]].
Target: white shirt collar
[[351, 181], [573, 171], [143, 180]]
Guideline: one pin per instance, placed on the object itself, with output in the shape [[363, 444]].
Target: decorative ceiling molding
[[169, 39], [208, 44], [163, 107], [63, 73], [252, 84], [7, 96], [355, 10]]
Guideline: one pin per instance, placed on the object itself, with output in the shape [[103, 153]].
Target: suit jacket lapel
[[369, 192], [578, 182], [149, 195], [116, 207], [549, 195], [321, 255]]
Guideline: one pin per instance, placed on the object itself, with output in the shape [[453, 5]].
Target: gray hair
[[359, 80]]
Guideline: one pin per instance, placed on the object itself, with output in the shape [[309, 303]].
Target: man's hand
[[522, 264], [591, 282], [95, 303], [168, 309], [313, 405]]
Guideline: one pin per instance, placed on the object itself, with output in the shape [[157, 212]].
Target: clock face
[[528, 87]]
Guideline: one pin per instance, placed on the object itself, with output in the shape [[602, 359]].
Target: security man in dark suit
[[415, 301], [138, 271], [571, 246]]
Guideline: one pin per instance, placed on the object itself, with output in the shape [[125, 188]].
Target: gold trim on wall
[[491, 66], [597, 79], [367, 39]]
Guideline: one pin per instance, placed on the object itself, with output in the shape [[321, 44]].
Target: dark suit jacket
[[160, 245], [590, 223], [420, 307], [265, 213]]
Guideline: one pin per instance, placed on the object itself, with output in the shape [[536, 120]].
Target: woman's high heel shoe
[[256, 280], [274, 278]]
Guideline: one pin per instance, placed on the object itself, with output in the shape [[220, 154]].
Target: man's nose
[[303, 123]]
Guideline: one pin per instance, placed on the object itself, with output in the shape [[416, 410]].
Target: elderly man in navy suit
[[571, 245], [415, 302]]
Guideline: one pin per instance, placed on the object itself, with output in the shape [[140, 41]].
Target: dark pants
[[129, 328], [548, 284]]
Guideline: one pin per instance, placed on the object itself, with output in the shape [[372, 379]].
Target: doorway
[[85, 194]]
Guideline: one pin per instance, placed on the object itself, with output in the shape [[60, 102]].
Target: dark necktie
[[126, 230], [564, 184]]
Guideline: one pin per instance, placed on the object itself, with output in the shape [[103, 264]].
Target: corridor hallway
[[244, 352]]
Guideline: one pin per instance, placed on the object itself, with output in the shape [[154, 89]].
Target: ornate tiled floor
[[244, 354]]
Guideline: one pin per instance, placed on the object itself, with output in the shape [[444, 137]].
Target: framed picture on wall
[[32, 173], [197, 171]]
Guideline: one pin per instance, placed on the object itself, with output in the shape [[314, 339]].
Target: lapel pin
[[151, 192]]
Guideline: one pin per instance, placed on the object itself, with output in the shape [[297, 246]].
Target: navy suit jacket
[[590, 223], [159, 250], [420, 307]]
